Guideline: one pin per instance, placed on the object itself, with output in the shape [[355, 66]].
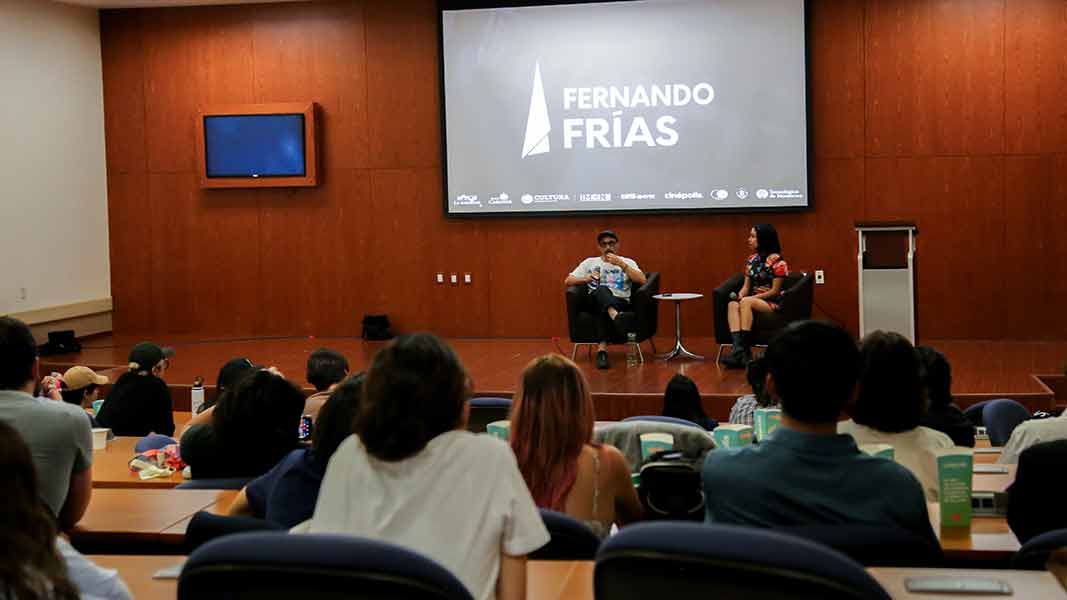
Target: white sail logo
[[537, 124]]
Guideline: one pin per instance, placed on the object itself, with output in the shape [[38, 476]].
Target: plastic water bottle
[[196, 395], [631, 349]]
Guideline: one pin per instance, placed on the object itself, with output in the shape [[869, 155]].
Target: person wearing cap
[[80, 386], [609, 277], [57, 433], [140, 402]]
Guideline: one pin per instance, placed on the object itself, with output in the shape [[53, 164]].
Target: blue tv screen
[[254, 145]]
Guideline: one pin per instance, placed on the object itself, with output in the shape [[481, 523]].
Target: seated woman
[[140, 402], [765, 272], [35, 563], [681, 400], [251, 428], [552, 437], [943, 415], [890, 405], [413, 475], [745, 406], [286, 494]]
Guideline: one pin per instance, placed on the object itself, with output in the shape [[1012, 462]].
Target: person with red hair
[[552, 437]]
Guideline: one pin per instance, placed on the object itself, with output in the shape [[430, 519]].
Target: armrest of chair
[[797, 300], [646, 307]]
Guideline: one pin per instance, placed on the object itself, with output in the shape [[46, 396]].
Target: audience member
[[890, 404], [1033, 432], [1034, 498], [805, 473], [36, 564], [80, 386], [287, 493], [57, 433], [326, 368], [681, 400], [942, 414], [140, 402], [412, 474], [745, 406], [552, 437], [232, 372], [252, 427]]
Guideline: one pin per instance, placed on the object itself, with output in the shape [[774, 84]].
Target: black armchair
[[797, 298], [644, 309]]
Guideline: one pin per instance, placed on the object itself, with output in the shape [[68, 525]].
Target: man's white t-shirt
[[611, 276], [460, 501], [1031, 433], [912, 449]]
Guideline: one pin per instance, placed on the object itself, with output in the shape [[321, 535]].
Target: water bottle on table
[[631, 349]]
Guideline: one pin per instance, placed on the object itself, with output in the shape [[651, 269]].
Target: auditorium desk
[[111, 468], [564, 580], [994, 482], [988, 539], [150, 518]]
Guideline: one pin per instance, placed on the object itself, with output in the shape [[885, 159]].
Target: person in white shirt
[[1031, 433], [609, 278], [890, 404], [412, 475]]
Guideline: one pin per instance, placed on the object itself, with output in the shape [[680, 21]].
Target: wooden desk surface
[[993, 482], [111, 468], [142, 515], [220, 507], [567, 580], [988, 539]]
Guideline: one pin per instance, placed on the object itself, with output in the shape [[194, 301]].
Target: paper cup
[[100, 438]]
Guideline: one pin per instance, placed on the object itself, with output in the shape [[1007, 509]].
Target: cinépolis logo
[[611, 116]]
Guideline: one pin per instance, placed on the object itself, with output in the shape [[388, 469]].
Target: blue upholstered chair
[[485, 410], [324, 567], [1001, 417], [974, 413], [571, 539], [874, 546], [1034, 553], [220, 483], [694, 560], [205, 526], [712, 423]]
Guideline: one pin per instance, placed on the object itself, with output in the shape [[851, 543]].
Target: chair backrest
[[485, 410], [662, 419], [798, 296], [974, 413], [571, 539], [724, 561], [218, 483], [626, 436], [874, 546], [672, 490], [205, 526], [1034, 553], [645, 310], [1001, 417], [282, 565]]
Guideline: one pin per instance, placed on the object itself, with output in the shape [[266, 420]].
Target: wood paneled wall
[[946, 112]]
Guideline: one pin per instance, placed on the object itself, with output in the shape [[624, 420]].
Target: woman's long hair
[[681, 400], [30, 566], [767, 240], [551, 421]]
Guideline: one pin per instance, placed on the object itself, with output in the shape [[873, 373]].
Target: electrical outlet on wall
[[820, 277], [439, 277], [21, 295], [467, 278], [453, 278]]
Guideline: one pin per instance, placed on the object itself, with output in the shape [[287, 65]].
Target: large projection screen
[[654, 105]]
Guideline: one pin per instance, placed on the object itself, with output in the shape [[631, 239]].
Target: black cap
[[607, 233], [146, 355]]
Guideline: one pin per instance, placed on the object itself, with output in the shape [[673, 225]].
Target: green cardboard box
[[765, 421], [955, 472], [732, 435], [499, 429], [882, 450]]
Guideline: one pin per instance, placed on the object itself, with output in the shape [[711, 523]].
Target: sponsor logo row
[[720, 194]]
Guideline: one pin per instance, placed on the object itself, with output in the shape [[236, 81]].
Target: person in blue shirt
[[286, 494], [805, 473]]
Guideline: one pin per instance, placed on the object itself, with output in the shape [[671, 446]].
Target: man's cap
[[77, 378], [607, 233], [146, 355]]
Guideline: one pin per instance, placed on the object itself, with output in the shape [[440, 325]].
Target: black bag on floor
[[376, 327]]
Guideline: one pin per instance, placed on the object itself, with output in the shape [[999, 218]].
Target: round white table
[[679, 349]]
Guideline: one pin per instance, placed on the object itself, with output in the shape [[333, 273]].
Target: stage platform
[[1030, 372]]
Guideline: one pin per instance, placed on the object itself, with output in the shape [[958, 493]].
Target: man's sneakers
[[602, 359]]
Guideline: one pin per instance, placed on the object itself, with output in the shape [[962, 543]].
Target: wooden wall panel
[[922, 110], [1036, 83], [935, 77]]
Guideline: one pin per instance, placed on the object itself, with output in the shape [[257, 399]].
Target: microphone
[[733, 295]]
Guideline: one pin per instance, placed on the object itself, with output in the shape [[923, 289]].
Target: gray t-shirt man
[[59, 437]]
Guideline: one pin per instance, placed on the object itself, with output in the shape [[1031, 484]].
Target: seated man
[[1033, 432], [325, 369], [1033, 499], [609, 277], [805, 473], [943, 415], [57, 433]]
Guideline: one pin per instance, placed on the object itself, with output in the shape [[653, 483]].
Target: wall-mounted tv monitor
[[257, 145], [625, 106]]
